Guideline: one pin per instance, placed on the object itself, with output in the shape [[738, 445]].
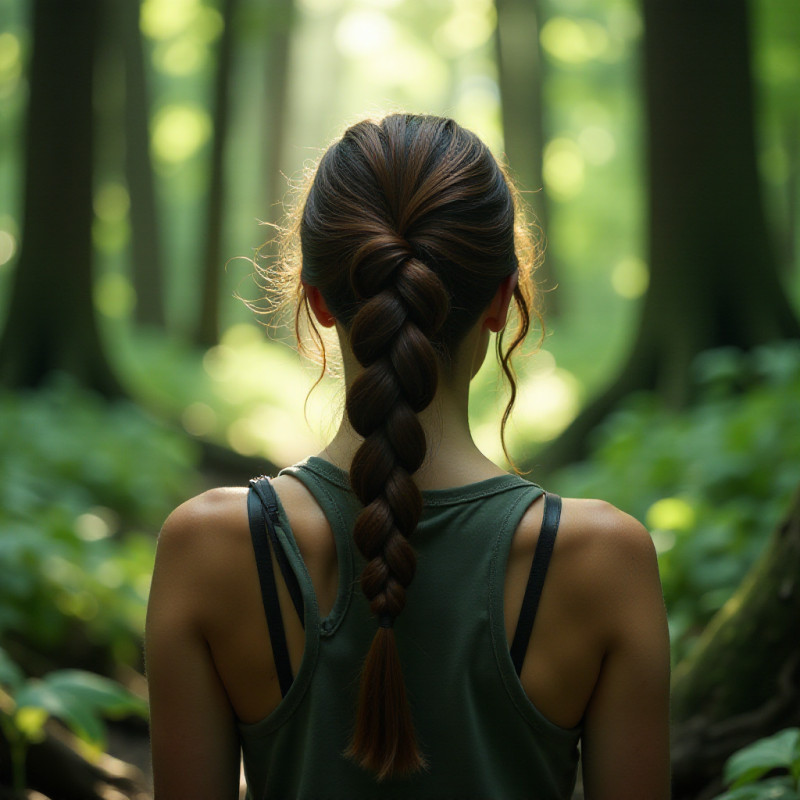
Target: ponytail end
[[384, 742]]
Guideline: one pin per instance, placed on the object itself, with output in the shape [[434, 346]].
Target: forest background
[[142, 149]]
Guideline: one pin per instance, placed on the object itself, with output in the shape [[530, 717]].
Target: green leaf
[[780, 788], [10, 674], [37, 694], [29, 721], [750, 763], [81, 700], [96, 692]]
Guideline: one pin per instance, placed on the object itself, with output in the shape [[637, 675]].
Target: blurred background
[[146, 149]]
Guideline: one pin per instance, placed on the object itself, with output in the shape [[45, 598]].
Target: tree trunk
[[208, 329], [147, 262], [279, 25], [742, 680], [713, 273], [520, 69], [51, 323]]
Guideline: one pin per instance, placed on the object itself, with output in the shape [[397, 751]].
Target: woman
[[477, 677]]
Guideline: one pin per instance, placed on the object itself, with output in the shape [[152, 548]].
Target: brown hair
[[407, 230]]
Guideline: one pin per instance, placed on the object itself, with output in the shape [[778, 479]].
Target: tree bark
[[208, 328], [742, 680], [714, 279], [520, 70], [147, 263], [51, 324], [279, 25]]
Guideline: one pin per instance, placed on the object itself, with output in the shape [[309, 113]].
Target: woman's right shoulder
[[208, 515]]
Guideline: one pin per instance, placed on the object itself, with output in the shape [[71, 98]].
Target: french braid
[[407, 231]]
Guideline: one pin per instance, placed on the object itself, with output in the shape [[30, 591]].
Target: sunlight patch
[[630, 278], [179, 131], [563, 168], [362, 33], [671, 514], [574, 41]]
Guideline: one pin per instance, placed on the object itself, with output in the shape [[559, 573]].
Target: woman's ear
[[318, 306], [496, 314]]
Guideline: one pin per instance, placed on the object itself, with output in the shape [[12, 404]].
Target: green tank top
[[481, 735]]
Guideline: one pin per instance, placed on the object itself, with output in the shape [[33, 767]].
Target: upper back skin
[[598, 654], [597, 549]]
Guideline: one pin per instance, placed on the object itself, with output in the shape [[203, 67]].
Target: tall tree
[[208, 331], [520, 70], [742, 681], [713, 273], [148, 267], [51, 324], [280, 18]]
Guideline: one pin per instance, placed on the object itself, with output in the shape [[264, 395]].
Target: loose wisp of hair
[[407, 227]]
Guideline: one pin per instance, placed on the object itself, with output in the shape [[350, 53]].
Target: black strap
[[533, 591], [262, 531], [263, 488]]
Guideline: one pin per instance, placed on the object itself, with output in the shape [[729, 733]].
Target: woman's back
[[411, 248], [598, 598]]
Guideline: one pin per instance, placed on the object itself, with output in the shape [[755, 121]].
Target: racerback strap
[[262, 512], [533, 591]]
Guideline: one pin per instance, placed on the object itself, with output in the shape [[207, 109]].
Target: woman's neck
[[452, 458]]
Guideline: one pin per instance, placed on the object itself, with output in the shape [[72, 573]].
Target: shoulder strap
[[263, 487], [533, 591], [261, 514]]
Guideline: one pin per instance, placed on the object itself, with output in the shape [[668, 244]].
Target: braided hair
[[407, 231]]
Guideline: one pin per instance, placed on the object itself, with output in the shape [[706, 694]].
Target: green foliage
[[77, 472], [81, 700], [711, 482], [744, 769]]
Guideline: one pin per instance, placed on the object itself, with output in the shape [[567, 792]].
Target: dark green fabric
[[480, 733]]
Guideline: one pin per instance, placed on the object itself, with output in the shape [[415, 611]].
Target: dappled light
[[574, 41], [10, 62], [179, 131], [145, 158], [8, 246], [597, 144], [364, 33], [113, 295], [471, 25], [630, 277], [671, 513], [111, 202], [563, 168], [162, 21]]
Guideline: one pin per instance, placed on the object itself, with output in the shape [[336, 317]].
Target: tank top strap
[[533, 591], [506, 653], [340, 507], [263, 517]]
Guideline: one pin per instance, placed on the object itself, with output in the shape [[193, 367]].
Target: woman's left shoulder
[[603, 531], [612, 565]]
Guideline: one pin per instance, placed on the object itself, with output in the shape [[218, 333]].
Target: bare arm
[[625, 746], [193, 732]]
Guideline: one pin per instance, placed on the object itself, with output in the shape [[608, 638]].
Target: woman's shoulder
[[603, 558], [592, 529], [204, 543], [210, 532], [205, 518], [604, 530]]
